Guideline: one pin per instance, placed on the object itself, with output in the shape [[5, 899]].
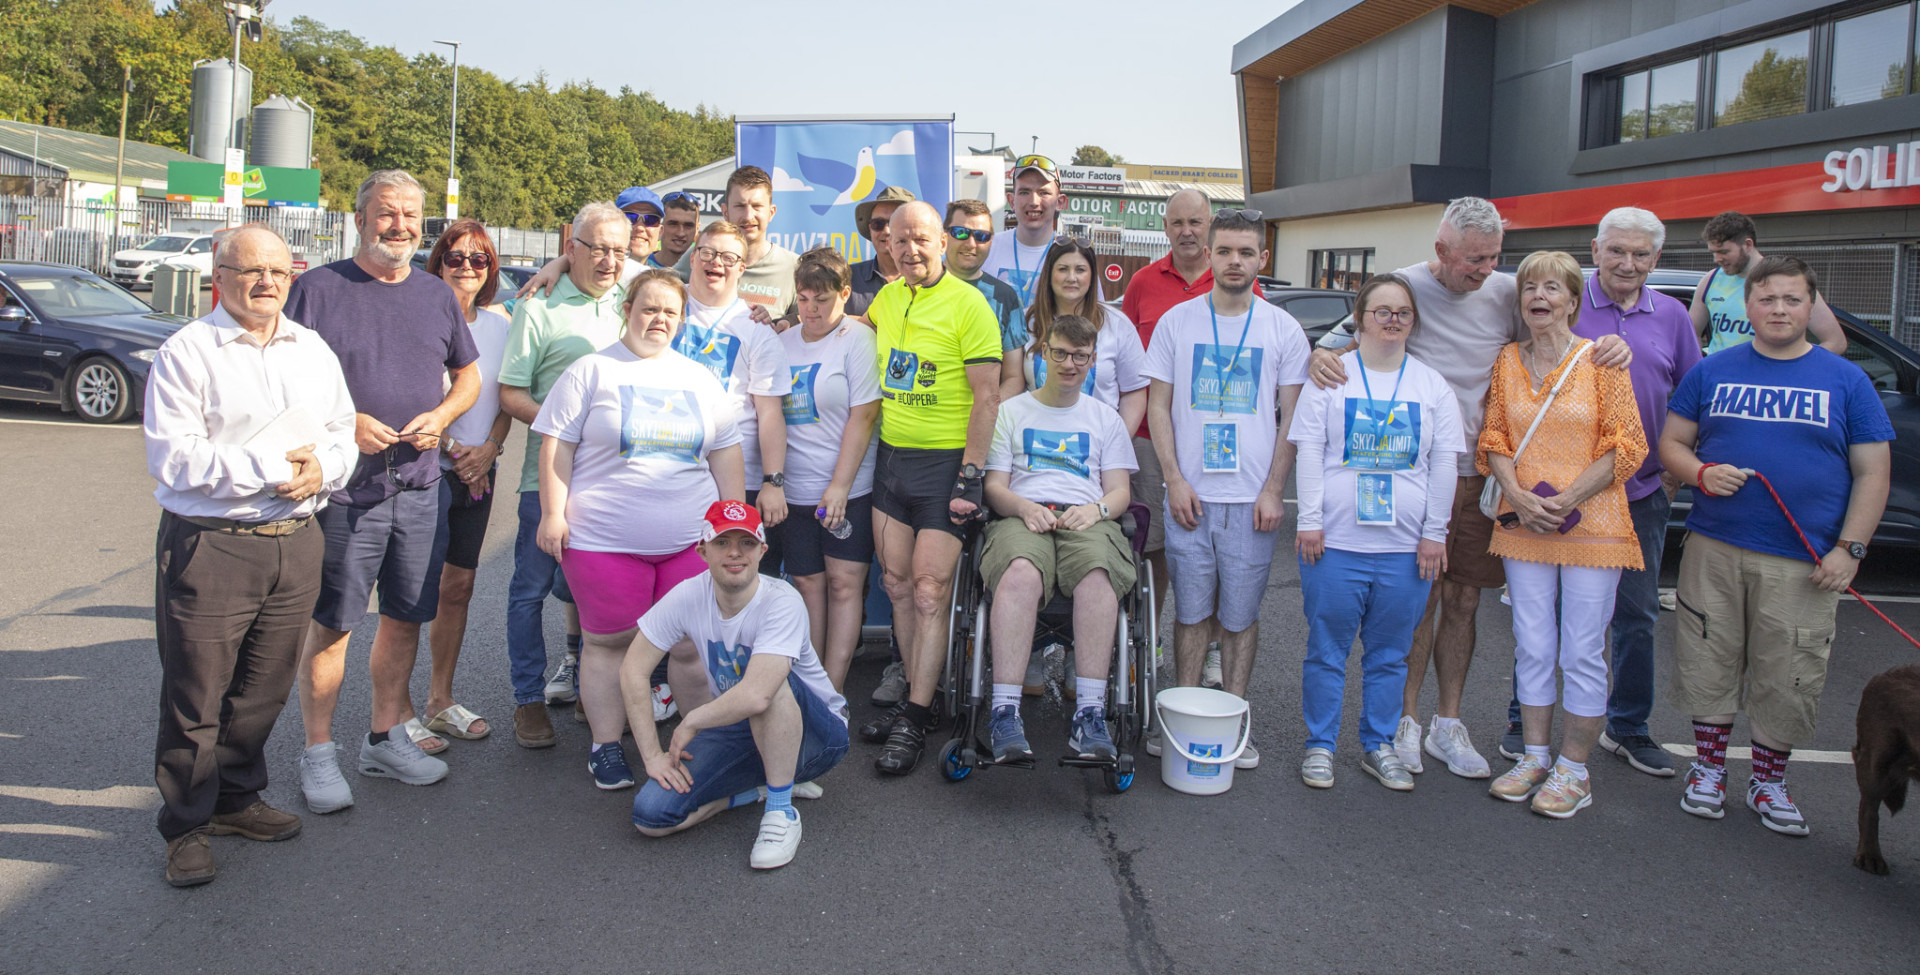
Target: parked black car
[[1316, 309], [71, 337]]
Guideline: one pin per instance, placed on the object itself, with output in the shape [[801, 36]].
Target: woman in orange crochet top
[[1564, 531]]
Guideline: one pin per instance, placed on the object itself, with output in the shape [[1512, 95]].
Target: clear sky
[[1146, 80]]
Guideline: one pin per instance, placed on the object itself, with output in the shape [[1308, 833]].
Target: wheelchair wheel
[[952, 765], [1120, 777]]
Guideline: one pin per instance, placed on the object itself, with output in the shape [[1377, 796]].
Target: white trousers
[[1560, 616]]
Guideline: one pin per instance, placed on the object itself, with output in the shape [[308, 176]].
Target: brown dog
[[1886, 753]]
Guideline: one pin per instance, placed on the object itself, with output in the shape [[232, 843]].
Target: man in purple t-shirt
[[400, 337]]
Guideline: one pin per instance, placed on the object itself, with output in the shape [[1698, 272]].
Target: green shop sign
[[1128, 212], [201, 182]]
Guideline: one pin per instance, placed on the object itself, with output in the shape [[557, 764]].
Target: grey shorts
[[399, 543], [1219, 568], [1150, 489]]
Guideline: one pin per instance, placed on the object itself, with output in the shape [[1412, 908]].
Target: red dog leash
[[1810, 550]]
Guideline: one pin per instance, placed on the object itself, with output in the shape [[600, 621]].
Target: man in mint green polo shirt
[[581, 315]]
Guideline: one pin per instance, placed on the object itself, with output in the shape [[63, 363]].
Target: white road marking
[[72, 424], [1746, 754], [111, 797]]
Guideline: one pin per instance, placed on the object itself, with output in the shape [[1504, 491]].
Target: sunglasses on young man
[[643, 219]]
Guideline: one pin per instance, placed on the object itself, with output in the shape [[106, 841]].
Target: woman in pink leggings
[[640, 440]]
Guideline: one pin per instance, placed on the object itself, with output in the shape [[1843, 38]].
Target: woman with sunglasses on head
[[465, 259], [1067, 287], [1375, 475], [639, 441]]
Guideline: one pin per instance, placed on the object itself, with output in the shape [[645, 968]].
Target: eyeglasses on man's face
[[726, 259], [252, 275], [1062, 355]]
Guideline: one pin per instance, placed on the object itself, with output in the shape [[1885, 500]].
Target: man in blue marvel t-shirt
[[1755, 623]]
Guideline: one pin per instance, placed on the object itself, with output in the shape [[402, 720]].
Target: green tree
[[1094, 156], [1776, 85]]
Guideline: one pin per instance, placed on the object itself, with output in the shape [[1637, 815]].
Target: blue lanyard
[[1228, 370], [1391, 399]]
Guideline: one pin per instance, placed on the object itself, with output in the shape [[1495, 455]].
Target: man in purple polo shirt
[[1658, 329], [412, 369]]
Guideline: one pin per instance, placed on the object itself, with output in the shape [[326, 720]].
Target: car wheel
[[100, 392]]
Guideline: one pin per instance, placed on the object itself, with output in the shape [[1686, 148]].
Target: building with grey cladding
[[1359, 119]]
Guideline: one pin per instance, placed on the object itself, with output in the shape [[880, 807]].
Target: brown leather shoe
[[190, 860], [258, 822], [532, 728]]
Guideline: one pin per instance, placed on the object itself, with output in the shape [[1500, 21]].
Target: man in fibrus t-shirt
[[1719, 307], [1221, 367], [1754, 625], [767, 717]]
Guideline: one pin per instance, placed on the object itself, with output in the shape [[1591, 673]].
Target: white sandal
[[417, 733], [457, 722]]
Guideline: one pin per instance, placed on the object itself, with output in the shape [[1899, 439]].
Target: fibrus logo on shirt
[[709, 347], [1050, 450], [660, 423], [727, 665], [1381, 436], [1220, 386], [1772, 404], [799, 406]]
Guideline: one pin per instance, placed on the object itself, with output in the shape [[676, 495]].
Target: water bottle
[[842, 531]]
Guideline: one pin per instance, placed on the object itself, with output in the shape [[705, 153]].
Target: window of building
[[1870, 57], [1346, 268], [1659, 101], [1761, 80]]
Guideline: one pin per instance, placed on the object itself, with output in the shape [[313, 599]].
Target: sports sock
[[1540, 752], [1710, 742], [1090, 692], [920, 715], [1579, 769], [376, 737], [1769, 765], [1005, 694], [597, 746], [781, 798]]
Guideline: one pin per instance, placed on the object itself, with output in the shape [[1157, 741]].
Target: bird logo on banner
[[861, 179]]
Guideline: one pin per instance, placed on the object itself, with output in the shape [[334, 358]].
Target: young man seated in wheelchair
[[1057, 476]]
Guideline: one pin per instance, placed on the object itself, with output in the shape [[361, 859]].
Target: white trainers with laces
[[663, 706], [561, 689], [1706, 793], [326, 790], [1451, 744], [1406, 743], [1210, 671], [1776, 809], [778, 841]]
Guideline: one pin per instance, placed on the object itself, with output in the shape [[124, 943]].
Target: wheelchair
[[967, 691]]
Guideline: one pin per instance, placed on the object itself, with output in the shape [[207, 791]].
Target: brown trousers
[[229, 612]]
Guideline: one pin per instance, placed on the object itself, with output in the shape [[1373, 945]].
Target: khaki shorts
[[1754, 636], [1150, 489], [1064, 558], [1469, 534]]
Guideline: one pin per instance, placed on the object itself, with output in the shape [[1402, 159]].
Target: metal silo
[[282, 133], [214, 104]]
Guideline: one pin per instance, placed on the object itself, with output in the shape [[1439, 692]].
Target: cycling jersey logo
[[902, 367], [927, 370]]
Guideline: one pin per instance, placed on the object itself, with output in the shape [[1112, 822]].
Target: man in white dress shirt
[[249, 428]]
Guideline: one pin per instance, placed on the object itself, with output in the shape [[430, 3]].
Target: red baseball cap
[[732, 516]]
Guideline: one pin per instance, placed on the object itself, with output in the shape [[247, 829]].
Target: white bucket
[[1198, 726]]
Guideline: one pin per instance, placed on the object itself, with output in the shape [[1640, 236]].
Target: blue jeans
[[1636, 609], [535, 575], [1378, 597], [726, 762]]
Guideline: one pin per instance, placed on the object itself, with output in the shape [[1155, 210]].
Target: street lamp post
[[453, 135]]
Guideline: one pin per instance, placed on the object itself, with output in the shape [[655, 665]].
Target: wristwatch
[[1104, 513], [1856, 549], [777, 479], [971, 471]]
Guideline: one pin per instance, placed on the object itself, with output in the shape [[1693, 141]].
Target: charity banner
[[823, 168]]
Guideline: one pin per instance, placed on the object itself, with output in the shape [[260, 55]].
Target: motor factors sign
[[1873, 168]]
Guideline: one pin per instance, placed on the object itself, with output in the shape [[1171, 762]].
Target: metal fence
[[1880, 283]]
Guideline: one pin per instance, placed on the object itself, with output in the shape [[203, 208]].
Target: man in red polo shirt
[[1180, 276]]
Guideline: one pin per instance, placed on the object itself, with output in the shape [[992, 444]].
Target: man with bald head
[[939, 356], [249, 428]]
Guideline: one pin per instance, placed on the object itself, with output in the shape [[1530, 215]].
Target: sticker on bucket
[[1205, 770]]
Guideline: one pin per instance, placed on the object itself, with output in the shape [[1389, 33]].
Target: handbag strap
[[1544, 407]]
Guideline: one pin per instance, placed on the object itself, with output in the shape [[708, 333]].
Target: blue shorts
[[1220, 567], [726, 762], [400, 543], [800, 547]]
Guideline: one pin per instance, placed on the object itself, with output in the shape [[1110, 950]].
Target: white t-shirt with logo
[[1119, 361], [644, 428], [1224, 391], [1406, 432], [1057, 454], [774, 621], [745, 356], [830, 378], [489, 330], [1016, 263]]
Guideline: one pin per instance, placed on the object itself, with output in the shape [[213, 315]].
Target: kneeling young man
[[771, 714], [1058, 473]]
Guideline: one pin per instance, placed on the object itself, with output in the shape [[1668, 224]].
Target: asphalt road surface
[[516, 863]]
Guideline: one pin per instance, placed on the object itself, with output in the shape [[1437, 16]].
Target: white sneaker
[[325, 788], [562, 688], [1153, 742], [778, 841], [663, 706], [1452, 745], [399, 758], [1210, 671], [1406, 743], [1249, 757]]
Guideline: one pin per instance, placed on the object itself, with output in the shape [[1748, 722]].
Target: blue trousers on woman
[[1379, 598]]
